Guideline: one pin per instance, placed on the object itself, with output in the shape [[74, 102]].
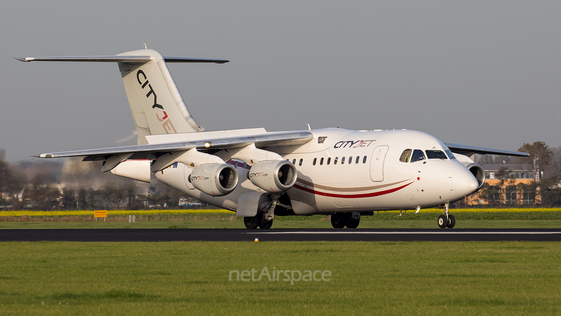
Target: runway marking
[[403, 233]]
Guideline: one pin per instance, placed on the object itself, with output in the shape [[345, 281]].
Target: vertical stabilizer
[[156, 104]]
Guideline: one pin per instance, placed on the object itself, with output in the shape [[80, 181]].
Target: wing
[[209, 145], [470, 150]]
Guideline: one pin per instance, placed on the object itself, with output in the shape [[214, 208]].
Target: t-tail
[[156, 104]]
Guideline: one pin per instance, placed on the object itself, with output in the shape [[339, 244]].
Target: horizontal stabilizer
[[123, 59], [102, 59], [169, 59]]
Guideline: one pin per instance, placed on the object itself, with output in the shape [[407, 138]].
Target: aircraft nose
[[465, 183], [472, 184]]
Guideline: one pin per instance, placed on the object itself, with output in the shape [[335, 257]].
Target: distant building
[[517, 189]]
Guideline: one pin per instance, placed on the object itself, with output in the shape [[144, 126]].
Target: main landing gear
[[265, 214], [446, 219], [257, 221], [340, 220]]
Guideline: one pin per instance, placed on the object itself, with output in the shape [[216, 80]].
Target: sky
[[480, 73]]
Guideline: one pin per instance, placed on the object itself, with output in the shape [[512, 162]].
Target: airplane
[[259, 175]]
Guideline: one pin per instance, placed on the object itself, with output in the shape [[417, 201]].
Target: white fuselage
[[344, 170]]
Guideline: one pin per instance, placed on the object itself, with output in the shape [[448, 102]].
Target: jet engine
[[273, 176], [214, 179]]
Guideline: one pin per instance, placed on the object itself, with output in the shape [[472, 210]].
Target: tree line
[[544, 189], [74, 184], [77, 185]]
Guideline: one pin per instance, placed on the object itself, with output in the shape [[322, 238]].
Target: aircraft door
[[377, 163]]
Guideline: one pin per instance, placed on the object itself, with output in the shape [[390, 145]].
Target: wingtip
[[24, 59]]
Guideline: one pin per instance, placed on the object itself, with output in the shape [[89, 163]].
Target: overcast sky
[[481, 73]]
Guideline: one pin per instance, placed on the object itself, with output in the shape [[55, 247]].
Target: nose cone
[[472, 185], [464, 183]]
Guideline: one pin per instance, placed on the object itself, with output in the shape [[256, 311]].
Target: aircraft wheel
[[339, 220], [352, 222], [266, 225], [252, 222], [451, 221], [442, 223]]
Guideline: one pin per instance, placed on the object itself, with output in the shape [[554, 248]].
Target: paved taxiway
[[155, 235]]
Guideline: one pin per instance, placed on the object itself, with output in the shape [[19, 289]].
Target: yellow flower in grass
[[223, 211], [115, 212], [487, 210]]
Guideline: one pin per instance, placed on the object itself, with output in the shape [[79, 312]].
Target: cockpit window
[[435, 154], [418, 155], [405, 155], [450, 154]]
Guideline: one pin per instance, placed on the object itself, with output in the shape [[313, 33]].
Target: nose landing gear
[[446, 220]]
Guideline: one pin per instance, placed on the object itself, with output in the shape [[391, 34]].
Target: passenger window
[[315, 160], [435, 154], [405, 155], [335, 160], [294, 161], [350, 160], [342, 160], [321, 161], [301, 161], [328, 160], [418, 155], [364, 159], [357, 159]]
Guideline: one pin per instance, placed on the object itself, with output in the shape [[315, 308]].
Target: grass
[[385, 278], [464, 219], [280, 224]]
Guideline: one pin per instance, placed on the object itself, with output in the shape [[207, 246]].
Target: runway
[[157, 235]]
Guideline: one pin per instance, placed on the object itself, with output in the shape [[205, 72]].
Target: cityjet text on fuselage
[[354, 143]]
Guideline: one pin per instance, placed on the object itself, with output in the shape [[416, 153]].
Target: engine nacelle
[[214, 179], [478, 172], [273, 176]]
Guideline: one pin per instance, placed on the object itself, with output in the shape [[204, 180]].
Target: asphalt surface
[[155, 235]]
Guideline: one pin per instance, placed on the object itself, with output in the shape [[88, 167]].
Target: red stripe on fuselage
[[351, 196]]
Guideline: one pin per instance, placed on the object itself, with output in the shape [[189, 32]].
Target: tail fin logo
[[167, 125], [143, 83]]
